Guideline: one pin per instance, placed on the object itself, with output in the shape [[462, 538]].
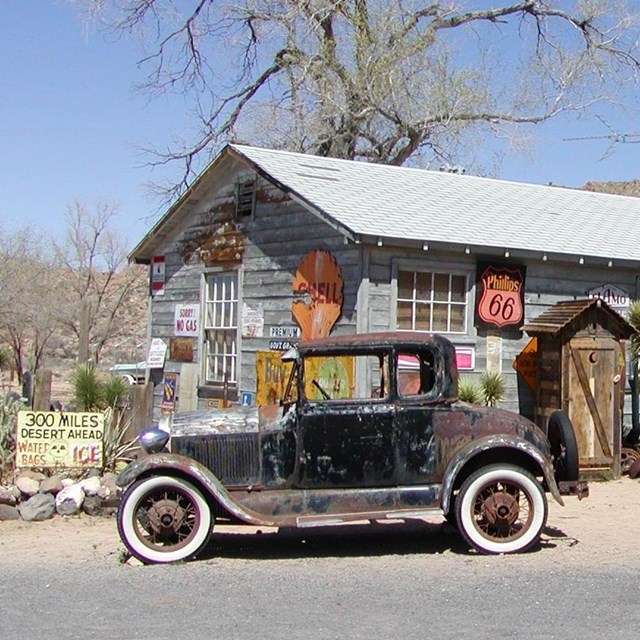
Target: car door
[[347, 441], [417, 387]]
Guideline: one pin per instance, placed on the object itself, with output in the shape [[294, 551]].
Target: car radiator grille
[[233, 459]]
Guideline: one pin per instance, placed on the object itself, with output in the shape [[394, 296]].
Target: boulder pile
[[34, 496]]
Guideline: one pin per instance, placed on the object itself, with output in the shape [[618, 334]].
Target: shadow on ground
[[354, 540]]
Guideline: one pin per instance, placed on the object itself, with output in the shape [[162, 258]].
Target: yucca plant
[[492, 384], [116, 392], [89, 388], [469, 390], [115, 445]]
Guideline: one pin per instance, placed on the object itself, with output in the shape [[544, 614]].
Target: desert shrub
[[10, 405], [469, 390], [493, 390]]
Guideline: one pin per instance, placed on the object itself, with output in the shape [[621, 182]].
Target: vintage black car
[[370, 427]]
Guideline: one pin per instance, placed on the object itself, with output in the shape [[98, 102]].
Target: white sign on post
[[157, 354]]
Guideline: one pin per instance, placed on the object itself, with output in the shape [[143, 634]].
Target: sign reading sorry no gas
[[59, 439]]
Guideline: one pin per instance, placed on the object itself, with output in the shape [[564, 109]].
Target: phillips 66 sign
[[500, 295]]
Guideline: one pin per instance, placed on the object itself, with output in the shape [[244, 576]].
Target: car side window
[[329, 378], [416, 373]]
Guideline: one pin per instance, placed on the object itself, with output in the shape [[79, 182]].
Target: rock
[[92, 506], [109, 482], [91, 485], [67, 482], [69, 500], [51, 485], [28, 486], [7, 496], [39, 507], [8, 512], [93, 473], [34, 475], [103, 492]]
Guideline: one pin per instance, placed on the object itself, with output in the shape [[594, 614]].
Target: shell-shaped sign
[[319, 279]]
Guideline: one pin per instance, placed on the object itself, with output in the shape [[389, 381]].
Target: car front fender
[[172, 464], [482, 445]]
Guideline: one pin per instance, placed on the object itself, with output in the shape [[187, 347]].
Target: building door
[[592, 395]]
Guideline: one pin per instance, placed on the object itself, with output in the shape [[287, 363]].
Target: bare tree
[[97, 287], [26, 293], [372, 79]]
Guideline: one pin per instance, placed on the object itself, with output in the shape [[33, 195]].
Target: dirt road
[[602, 529]]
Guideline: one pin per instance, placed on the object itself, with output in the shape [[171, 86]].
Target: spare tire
[[564, 447]]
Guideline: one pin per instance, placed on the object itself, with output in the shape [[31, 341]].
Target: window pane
[[405, 285], [457, 318], [405, 314], [440, 314], [221, 308], [423, 286], [441, 286], [439, 302], [458, 288], [423, 317]]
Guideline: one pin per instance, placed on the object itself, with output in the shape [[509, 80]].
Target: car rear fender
[[171, 464], [485, 445]]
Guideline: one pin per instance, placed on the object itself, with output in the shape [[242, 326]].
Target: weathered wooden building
[[266, 244]]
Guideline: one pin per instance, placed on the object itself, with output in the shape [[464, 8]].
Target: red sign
[[500, 295]]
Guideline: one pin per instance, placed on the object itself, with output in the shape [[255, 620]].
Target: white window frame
[[436, 268], [221, 316]]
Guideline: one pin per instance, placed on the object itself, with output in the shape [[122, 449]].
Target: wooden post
[[141, 409], [42, 390]]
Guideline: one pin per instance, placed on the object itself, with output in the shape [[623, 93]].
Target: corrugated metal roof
[[555, 318], [415, 204]]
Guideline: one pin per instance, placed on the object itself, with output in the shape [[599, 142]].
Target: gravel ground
[[598, 530]]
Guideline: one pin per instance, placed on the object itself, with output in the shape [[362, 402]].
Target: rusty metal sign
[[319, 280], [181, 349], [526, 363]]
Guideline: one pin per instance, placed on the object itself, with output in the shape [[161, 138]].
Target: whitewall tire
[[164, 519], [501, 508]]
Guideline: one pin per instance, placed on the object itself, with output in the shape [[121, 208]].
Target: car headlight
[[153, 440]]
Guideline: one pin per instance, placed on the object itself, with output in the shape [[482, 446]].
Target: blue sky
[[71, 127]]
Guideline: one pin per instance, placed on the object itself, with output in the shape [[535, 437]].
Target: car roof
[[397, 339]]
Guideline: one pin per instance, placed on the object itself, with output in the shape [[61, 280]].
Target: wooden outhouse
[[580, 368]]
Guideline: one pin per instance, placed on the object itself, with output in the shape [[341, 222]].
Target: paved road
[[391, 581]]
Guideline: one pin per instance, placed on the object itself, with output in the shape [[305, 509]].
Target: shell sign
[[319, 279]]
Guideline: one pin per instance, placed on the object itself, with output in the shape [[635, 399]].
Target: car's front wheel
[[164, 519], [501, 508]]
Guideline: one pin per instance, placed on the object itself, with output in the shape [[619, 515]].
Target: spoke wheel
[[164, 519], [501, 509]]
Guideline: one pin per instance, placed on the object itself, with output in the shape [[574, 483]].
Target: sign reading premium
[[500, 294], [59, 439]]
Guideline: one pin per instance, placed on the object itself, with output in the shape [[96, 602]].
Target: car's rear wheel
[[164, 519], [501, 509], [564, 447]]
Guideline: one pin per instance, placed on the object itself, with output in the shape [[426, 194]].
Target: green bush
[[10, 405], [492, 384], [488, 389], [109, 395], [469, 390]]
